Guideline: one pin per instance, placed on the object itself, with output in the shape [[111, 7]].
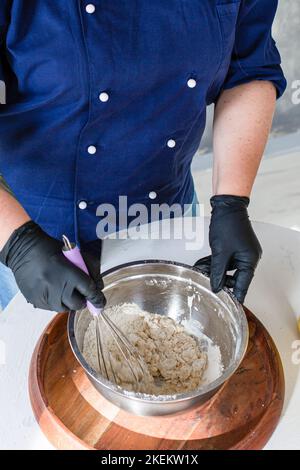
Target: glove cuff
[[16, 236], [228, 201]]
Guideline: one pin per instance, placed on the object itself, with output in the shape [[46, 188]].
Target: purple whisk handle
[[75, 257]]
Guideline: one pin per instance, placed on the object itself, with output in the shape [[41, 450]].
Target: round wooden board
[[73, 415]]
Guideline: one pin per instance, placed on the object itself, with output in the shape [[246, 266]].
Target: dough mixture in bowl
[[173, 356]]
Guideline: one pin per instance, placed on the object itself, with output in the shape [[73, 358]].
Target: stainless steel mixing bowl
[[164, 287]]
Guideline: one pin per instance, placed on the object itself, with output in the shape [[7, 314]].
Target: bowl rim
[[155, 399]]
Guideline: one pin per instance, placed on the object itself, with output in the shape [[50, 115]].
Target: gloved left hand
[[234, 246]]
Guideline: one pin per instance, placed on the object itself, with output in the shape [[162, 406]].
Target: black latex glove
[[234, 246], [45, 277]]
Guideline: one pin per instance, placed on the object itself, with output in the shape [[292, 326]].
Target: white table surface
[[274, 297]]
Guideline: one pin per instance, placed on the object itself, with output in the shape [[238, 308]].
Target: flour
[[173, 356], [215, 365]]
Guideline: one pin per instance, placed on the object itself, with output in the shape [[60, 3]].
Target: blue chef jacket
[[109, 98]]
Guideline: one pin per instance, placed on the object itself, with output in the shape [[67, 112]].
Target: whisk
[[129, 354]]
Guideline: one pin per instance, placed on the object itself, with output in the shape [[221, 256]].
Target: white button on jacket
[[92, 149], [82, 205], [90, 8], [104, 96], [171, 143], [191, 83], [152, 195]]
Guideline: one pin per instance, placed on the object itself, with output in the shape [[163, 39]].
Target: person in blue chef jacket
[[109, 98]]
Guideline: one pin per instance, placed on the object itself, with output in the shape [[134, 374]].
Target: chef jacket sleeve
[[255, 55]]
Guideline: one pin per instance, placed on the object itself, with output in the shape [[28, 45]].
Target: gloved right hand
[[44, 276]]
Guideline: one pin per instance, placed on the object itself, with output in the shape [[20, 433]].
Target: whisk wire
[[105, 369], [99, 346], [118, 340], [133, 351]]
